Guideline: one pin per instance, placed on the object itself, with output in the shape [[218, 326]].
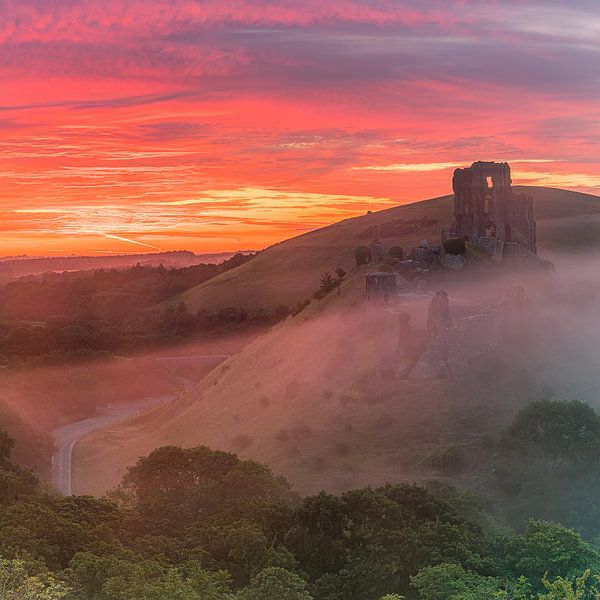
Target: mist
[[332, 398]]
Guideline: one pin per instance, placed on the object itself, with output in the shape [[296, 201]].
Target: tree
[[565, 432], [452, 582], [455, 245], [578, 588], [6, 446], [175, 488], [276, 583], [327, 282], [17, 584], [548, 550], [15, 482], [54, 528], [362, 255], [559, 480], [131, 578], [397, 252]]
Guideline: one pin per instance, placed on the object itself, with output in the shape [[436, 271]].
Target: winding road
[[67, 436]]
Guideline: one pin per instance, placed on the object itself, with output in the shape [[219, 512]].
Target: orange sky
[[209, 126]]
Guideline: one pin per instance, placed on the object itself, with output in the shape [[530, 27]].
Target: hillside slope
[[315, 397], [288, 273]]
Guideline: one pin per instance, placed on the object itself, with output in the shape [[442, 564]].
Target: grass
[[315, 396], [288, 273]]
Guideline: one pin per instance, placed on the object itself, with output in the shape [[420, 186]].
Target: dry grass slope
[[313, 398], [288, 272]]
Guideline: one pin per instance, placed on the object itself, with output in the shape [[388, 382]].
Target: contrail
[[118, 237]]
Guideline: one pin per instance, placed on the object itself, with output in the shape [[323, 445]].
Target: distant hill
[[11, 267], [288, 272], [314, 397]]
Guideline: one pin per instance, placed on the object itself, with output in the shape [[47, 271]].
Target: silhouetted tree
[[327, 282], [397, 252], [362, 255]]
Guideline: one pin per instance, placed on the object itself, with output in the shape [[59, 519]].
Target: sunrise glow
[[210, 126]]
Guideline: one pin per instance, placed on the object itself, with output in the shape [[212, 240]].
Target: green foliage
[[197, 480], [16, 583], [565, 432], [452, 582], [116, 578], [548, 549], [197, 524], [15, 482], [577, 588], [376, 539], [215, 504], [548, 466], [329, 283], [275, 583], [68, 317], [54, 528]]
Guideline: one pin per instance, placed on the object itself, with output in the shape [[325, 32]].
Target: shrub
[[397, 252], [362, 255], [454, 246], [448, 459]]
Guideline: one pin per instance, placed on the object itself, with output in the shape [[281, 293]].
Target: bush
[[565, 432], [397, 252], [274, 583], [446, 581], [454, 246], [362, 255], [448, 459]]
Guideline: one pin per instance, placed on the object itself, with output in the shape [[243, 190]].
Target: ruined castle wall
[[486, 206]]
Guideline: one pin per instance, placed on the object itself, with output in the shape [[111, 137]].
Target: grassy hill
[[317, 398], [288, 272]]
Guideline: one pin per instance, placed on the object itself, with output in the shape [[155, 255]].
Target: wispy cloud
[[409, 167], [179, 123], [424, 167]]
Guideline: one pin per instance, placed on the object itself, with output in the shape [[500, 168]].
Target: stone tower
[[486, 207]]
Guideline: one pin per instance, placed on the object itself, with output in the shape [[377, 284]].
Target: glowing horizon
[[134, 126]]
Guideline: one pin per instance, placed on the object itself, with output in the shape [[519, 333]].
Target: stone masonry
[[485, 206]]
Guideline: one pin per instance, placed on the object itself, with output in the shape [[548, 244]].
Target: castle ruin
[[486, 207]]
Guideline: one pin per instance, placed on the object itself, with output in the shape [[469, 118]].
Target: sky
[[145, 125]]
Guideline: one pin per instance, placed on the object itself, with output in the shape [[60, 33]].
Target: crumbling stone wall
[[486, 207], [456, 336], [381, 287]]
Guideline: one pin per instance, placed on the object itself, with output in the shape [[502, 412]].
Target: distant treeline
[[18, 266], [61, 317]]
